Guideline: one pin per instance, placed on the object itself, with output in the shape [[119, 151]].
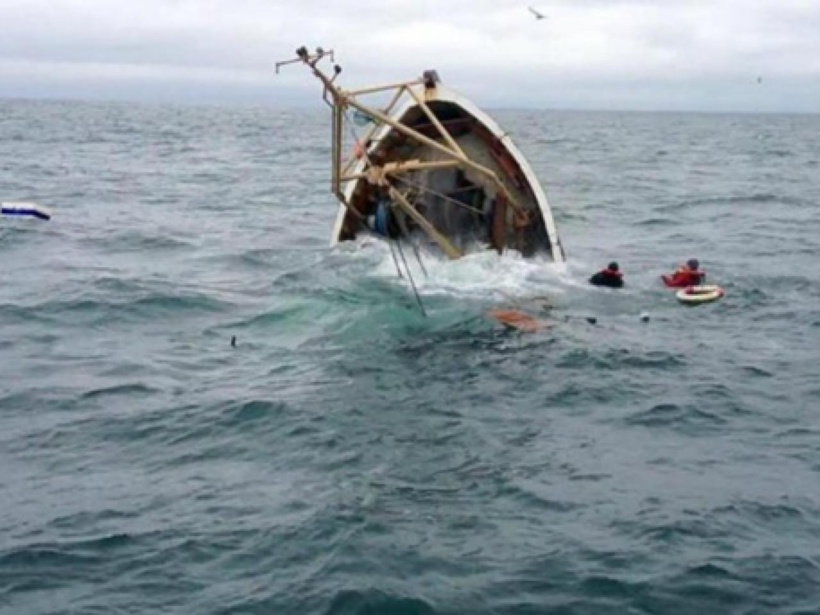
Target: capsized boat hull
[[459, 202]]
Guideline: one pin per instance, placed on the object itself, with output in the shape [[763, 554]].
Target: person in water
[[689, 274], [611, 277]]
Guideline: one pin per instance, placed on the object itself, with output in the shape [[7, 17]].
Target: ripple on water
[[673, 415], [353, 602]]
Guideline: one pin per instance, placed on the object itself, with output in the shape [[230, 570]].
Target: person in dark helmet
[[610, 277], [689, 274]]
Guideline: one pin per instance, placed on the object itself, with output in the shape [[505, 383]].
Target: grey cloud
[[710, 50]]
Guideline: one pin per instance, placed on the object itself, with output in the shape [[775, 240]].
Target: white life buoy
[[699, 294]]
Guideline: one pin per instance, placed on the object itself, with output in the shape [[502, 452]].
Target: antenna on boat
[[302, 55], [312, 60]]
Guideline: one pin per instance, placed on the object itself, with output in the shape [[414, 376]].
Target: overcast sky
[[600, 54]]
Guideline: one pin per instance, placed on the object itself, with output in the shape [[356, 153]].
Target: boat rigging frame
[[384, 175]]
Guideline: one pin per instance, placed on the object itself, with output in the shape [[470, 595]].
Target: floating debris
[[31, 210]]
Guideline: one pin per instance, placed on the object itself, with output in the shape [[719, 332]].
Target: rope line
[[407, 270], [425, 189], [395, 260], [410, 277]]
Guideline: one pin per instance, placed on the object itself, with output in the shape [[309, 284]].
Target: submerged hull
[[459, 202]]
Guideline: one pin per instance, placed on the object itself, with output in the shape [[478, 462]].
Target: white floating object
[[25, 209], [693, 295]]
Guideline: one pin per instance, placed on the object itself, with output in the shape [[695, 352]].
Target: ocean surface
[[350, 456]]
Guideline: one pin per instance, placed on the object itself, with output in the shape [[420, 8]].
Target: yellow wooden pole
[[431, 116], [425, 224]]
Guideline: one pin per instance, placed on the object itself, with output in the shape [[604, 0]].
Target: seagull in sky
[[536, 13]]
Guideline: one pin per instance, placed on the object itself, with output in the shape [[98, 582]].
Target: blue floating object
[[380, 222], [31, 210]]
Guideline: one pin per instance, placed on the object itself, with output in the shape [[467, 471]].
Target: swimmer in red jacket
[[689, 274], [611, 277]]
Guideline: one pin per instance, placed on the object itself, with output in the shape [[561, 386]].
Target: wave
[[672, 414], [136, 389], [52, 556], [752, 198], [370, 602], [654, 221], [141, 241], [89, 519], [618, 359], [533, 496], [152, 306]]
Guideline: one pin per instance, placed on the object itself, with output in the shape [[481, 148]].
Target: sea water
[[351, 455]]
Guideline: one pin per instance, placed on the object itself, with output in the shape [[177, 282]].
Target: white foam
[[479, 275]]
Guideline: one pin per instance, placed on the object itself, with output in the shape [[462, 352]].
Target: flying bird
[[536, 13]]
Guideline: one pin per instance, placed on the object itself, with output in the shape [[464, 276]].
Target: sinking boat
[[430, 167]]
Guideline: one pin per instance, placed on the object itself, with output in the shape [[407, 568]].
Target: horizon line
[[317, 107]]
